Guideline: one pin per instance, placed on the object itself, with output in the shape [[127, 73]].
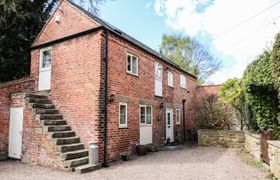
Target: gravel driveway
[[188, 163]]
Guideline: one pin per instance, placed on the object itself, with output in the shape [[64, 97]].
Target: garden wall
[[252, 144], [221, 138], [274, 157]]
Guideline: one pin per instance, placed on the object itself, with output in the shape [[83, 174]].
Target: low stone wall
[[252, 144], [221, 138], [274, 157]]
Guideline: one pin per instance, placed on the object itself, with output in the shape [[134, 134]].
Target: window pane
[[142, 114], [148, 115], [46, 59], [128, 62], [134, 65], [168, 118], [178, 116], [122, 114]]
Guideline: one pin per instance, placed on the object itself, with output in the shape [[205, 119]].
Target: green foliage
[[190, 55], [231, 92], [260, 92]]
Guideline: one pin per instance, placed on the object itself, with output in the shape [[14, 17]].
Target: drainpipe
[[105, 164], [184, 126]]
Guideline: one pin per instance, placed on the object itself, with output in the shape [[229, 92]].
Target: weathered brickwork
[[221, 138], [6, 89]]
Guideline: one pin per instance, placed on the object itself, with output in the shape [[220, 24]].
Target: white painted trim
[[167, 110], [145, 124], [41, 59], [170, 83], [122, 125], [137, 64], [183, 85]]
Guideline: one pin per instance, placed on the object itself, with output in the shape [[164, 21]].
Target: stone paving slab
[[188, 163]]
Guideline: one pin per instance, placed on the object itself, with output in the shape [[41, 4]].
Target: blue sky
[[205, 20]]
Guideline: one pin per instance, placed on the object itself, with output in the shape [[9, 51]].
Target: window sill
[[135, 75], [172, 87], [158, 96], [122, 127]]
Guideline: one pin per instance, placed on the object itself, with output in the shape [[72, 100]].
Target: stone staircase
[[72, 151]]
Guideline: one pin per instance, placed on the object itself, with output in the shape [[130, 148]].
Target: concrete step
[[58, 128], [34, 96], [87, 168], [70, 147], [49, 116], [62, 134], [65, 141], [45, 111], [53, 122], [39, 101], [74, 154], [76, 162], [42, 106]]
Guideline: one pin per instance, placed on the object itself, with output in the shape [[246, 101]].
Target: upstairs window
[[183, 81], [132, 64], [122, 115], [170, 79]]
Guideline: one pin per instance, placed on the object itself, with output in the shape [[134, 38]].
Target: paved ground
[[188, 163]]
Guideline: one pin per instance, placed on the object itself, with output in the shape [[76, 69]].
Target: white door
[[158, 79], [146, 125], [169, 125], [45, 69], [15, 132]]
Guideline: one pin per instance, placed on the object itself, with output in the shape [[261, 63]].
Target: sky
[[236, 31]]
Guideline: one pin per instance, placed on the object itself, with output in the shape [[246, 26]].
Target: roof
[[128, 37]]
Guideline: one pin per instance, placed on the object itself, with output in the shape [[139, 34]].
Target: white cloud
[[244, 42]]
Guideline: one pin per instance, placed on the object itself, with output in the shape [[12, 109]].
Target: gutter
[[105, 164]]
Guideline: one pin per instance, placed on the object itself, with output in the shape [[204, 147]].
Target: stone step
[[70, 147], [74, 154], [46, 111], [34, 96], [58, 128], [87, 168], [54, 122], [39, 101], [65, 141], [42, 106], [62, 134], [76, 162], [49, 116]]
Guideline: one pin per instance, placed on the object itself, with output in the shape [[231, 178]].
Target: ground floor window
[[178, 116], [122, 115], [145, 114]]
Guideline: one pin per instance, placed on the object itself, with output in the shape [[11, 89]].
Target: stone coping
[[225, 131], [253, 134], [274, 143], [16, 82]]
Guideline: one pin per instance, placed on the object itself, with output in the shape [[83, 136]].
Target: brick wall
[[37, 148], [142, 87], [6, 89]]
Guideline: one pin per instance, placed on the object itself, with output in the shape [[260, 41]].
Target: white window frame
[[158, 75], [145, 123], [170, 78], [183, 81], [178, 116], [122, 125], [137, 63], [41, 58]]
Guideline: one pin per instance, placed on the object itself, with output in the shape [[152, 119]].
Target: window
[[146, 114], [183, 82], [123, 115], [158, 72], [158, 79], [178, 116], [132, 64], [46, 58], [170, 79]]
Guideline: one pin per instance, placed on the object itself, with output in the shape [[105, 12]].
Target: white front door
[[146, 125], [45, 69], [15, 132], [169, 125], [158, 79]]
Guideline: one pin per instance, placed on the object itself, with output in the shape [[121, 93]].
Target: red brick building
[[91, 82]]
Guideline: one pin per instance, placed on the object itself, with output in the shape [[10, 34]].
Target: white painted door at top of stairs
[[169, 125], [15, 132], [45, 69]]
